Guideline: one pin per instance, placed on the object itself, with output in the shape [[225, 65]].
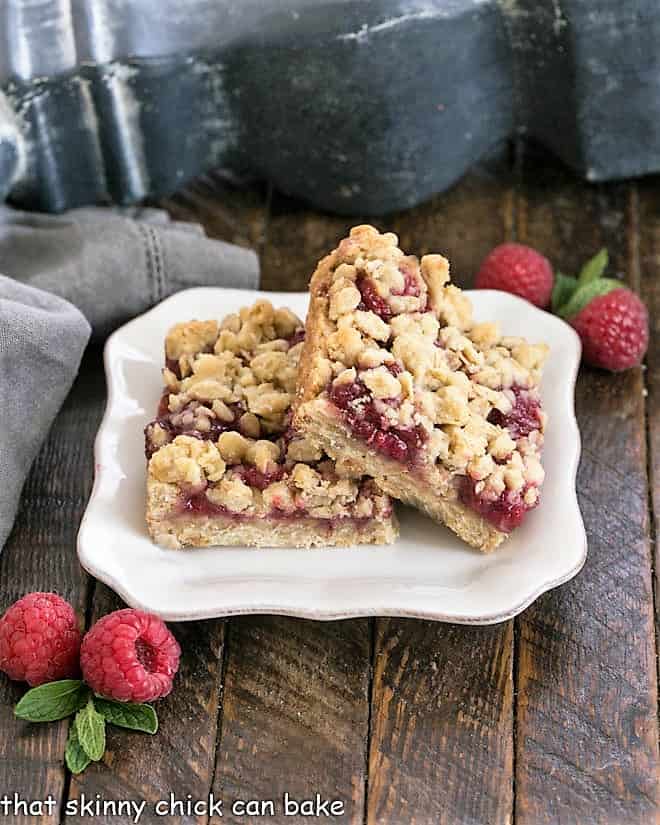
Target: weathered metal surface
[[355, 106]]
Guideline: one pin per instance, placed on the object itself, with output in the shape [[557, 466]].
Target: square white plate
[[428, 573]]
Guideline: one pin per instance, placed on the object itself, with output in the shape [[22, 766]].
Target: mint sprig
[[74, 755], [571, 295], [86, 741], [90, 727], [128, 715], [52, 701]]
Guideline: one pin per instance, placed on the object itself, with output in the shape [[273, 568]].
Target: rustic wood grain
[[647, 203], [180, 759], [41, 555], [297, 238], [295, 714], [587, 693], [441, 746], [227, 212], [464, 223]]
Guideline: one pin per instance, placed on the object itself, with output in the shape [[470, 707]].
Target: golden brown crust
[[312, 371]]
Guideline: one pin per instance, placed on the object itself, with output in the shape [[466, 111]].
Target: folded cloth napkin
[[109, 265], [114, 264], [42, 339]]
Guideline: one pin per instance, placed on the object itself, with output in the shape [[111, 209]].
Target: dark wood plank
[[587, 693], [41, 555], [295, 714], [237, 214], [298, 237], [648, 219], [442, 746], [180, 758], [442, 707]]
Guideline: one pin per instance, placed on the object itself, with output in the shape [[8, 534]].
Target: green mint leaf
[[564, 287], [75, 757], [52, 701], [128, 715], [594, 267], [586, 293], [90, 727]]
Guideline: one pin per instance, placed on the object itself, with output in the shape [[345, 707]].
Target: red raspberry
[[614, 329], [521, 270], [39, 640], [130, 656]]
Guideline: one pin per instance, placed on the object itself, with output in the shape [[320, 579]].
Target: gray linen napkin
[[42, 339], [113, 264], [109, 265]]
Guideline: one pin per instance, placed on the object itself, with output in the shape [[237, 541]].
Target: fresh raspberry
[[130, 656], [521, 270], [39, 640], [614, 329]]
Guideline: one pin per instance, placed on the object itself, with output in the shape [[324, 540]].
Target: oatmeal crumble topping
[[404, 365], [223, 434]]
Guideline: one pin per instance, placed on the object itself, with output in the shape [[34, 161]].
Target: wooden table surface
[[551, 718]]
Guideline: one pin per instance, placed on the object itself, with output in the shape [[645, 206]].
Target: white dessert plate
[[428, 573]]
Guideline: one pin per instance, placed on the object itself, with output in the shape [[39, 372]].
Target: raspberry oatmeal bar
[[397, 379], [225, 466]]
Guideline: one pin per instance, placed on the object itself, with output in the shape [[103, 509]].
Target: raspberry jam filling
[[184, 423], [296, 338], [371, 426], [255, 478], [197, 504], [524, 417], [505, 512], [172, 365], [411, 286], [371, 300]]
